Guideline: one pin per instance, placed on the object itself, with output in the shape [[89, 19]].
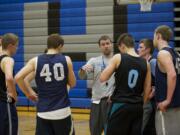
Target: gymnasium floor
[[27, 122]]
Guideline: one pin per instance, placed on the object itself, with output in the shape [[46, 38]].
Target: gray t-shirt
[[100, 90]]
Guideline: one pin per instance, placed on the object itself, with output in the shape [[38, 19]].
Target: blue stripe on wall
[[73, 30], [7, 16], [140, 35], [73, 3], [151, 17], [147, 27], [21, 1], [156, 8], [78, 12], [71, 16], [11, 7], [11, 24], [15, 31], [73, 21]]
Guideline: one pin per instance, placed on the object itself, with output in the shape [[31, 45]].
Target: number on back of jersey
[[132, 78], [58, 72]]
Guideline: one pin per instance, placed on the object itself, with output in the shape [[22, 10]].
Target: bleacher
[[81, 23]]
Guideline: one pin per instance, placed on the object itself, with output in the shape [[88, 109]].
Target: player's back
[[51, 79], [129, 79]]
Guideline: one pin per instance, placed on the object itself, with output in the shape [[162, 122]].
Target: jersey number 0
[[58, 72], [132, 78]]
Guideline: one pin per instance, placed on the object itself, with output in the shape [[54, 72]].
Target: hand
[[11, 94], [163, 105], [87, 68], [32, 96], [14, 96], [152, 93], [109, 101], [82, 74]]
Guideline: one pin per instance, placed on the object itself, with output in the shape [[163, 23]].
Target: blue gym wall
[[81, 23]]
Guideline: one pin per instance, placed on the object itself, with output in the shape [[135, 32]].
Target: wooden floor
[[27, 123]]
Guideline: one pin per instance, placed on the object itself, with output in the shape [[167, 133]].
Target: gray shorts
[[168, 123], [147, 111]]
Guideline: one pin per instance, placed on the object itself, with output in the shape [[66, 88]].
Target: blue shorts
[[8, 119]]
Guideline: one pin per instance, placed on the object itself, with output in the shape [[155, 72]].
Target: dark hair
[[104, 37], [148, 43], [54, 41], [126, 39], [45, 50], [8, 39], [165, 31]]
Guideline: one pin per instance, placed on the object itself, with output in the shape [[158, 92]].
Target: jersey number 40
[[58, 72]]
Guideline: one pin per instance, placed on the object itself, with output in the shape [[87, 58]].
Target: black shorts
[[55, 127], [8, 119], [125, 119]]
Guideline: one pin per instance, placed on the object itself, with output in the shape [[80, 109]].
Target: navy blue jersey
[[129, 79], [51, 79], [161, 83]]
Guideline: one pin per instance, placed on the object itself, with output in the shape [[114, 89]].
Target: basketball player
[[8, 95], [132, 77], [53, 72], [145, 51], [100, 92], [167, 84]]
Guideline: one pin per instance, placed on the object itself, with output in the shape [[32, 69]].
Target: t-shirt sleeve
[[90, 62]]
